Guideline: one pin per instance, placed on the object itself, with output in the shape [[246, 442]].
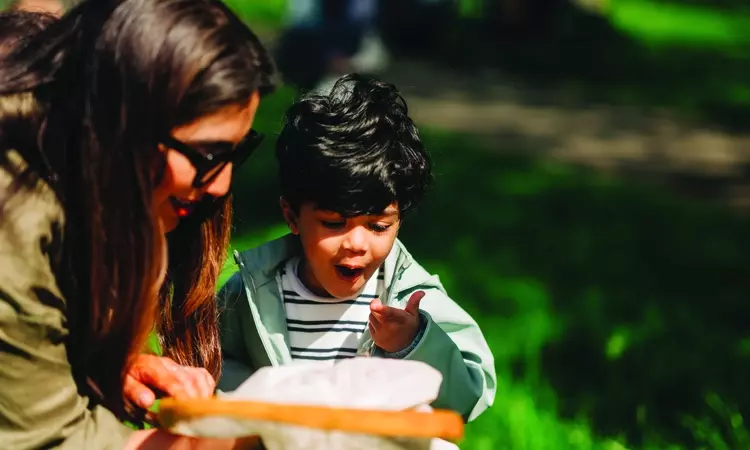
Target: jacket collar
[[263, 263]]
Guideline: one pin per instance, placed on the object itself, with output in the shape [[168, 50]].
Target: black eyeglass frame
[[214, 163]]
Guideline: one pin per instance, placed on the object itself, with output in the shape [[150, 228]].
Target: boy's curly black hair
[[354, 151]]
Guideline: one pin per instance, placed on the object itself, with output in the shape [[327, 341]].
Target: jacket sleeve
[[452, 343], [236, 361], [39, 402]]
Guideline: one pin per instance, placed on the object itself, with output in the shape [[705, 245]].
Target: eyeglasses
[[212, 158]]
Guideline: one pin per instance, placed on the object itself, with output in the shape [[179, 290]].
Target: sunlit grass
[[660, 23], [550, 259], [567, 272], [265, 12]]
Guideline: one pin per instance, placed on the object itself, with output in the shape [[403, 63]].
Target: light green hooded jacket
[[254, 334]]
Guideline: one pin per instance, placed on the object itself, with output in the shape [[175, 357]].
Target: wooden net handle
[[441, 424]]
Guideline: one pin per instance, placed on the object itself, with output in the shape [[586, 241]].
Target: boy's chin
[[342, 294], [340, 291]]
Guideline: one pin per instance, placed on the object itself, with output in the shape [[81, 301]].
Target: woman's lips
[[182, 208]]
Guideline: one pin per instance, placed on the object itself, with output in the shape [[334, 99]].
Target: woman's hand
[[151, 374]]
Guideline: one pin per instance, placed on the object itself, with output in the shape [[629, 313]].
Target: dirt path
[[693, 158]]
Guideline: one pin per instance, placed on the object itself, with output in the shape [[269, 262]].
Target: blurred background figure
[[325, 39]]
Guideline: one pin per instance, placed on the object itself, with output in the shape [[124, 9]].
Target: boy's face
[[341, 254]]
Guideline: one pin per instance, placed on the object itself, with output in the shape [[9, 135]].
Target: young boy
[[352, 167]]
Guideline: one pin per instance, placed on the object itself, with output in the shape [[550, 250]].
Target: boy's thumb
[[412, 306]]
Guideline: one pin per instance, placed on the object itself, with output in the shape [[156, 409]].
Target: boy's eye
[[379, 227], [333, 224]]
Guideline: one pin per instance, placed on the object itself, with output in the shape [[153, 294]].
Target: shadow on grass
[[629, 302], [617, 60], [617, 313]]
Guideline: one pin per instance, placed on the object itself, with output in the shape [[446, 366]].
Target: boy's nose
[[356, 240]]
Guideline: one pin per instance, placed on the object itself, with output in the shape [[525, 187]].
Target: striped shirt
[[325, 328]]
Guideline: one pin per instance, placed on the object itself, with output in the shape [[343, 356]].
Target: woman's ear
[[289, 216]]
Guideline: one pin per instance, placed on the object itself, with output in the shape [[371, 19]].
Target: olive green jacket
[[39, 402]]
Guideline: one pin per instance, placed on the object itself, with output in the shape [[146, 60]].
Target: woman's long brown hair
[[187, 326], [113, 78]]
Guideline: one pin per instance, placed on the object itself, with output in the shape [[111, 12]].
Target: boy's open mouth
[[182, 208], [349, 273]]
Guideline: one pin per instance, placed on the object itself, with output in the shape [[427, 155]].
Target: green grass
[[675, 23], [266, 12], [651, 21], [614, 310]]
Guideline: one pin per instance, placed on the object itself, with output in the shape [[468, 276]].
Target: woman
[[326, 39], [17, 26], [145, 107], [194, 267], [148, 372]]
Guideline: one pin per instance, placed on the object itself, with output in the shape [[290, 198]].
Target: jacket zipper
[[262, 335]]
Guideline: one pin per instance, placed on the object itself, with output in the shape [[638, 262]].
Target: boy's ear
[[289, 216]]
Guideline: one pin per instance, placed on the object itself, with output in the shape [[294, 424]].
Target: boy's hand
[[394, 329]]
